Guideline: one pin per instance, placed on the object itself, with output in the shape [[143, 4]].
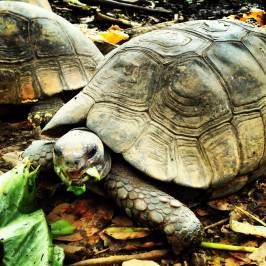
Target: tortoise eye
[[92, 151], [57, 150]]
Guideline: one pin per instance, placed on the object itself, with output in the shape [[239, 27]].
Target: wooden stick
[[128, 6], [154, 254], [250, 215], [217, 223]]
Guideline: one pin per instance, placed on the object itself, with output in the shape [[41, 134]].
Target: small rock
[[140, 263]]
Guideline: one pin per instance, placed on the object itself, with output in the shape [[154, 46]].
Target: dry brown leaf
[[124, 233], [259, 255], [58, 211], [121, 221], [70, 238], [220, 204], [140, 263], [216, 261], [247, 229], [132, 244], [87, 216], [202, 212], [231, 262], [70, 249]]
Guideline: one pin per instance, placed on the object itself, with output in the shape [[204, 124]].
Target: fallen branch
[[128, 6], [102, 17], [154, 254], [250, 215], [217, 223], [227, 247]]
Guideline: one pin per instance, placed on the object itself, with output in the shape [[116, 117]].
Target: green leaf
[[58, 256], [62, 227], [17, 192], [25, 236], [27, 241], [77, 190], [93, 172]]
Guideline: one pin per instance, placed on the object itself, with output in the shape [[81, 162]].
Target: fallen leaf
[[121, 221], [220, 204], [87, 216], [247, 229], [124, 233], [231, 261], [202, 212], [114, 35], [135, 262], [259, 255], [70, 238], [131, 244], [71, 249]]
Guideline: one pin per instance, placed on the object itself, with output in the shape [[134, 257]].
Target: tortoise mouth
[[75, 174], [78, 176]]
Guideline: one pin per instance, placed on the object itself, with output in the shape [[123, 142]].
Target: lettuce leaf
[[24, 234]]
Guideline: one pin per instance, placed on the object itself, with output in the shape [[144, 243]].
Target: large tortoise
[[41, 54], [184, 105]]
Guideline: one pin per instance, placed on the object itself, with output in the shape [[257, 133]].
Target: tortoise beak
[[73, 175], [81, 176]]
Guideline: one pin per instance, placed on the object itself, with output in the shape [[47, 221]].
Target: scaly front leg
[[153, 208]]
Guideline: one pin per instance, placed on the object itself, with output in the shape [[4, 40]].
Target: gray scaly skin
[[142, 201]]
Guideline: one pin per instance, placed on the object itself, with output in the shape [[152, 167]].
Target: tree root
[[128, 6], [154, 254]]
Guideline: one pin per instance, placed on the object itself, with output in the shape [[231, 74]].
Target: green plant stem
[[227, 247]]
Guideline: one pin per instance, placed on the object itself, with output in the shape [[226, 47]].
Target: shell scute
[[187, 99], [223, 30], [14, 38], [49, 39], [244, 77], [128, 79]]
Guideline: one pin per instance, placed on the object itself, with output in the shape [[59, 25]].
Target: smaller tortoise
[[41, 3], [184, 105], [41, 54]]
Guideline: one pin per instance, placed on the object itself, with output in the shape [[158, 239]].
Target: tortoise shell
[[41, 3], [41, 54], [185, 104]]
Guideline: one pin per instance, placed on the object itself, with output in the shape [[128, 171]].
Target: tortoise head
[[79, 157]]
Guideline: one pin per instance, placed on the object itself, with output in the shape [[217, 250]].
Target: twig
[[250, 215], [217, 223], [227, 247], [102, 17], [128, 6], [154, 254], [101, 251]]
